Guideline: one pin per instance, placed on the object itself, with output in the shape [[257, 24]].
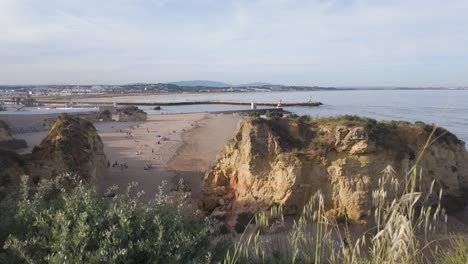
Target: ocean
[[446, 108]]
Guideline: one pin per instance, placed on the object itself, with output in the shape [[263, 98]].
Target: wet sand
[[209, 131], [201, 146]]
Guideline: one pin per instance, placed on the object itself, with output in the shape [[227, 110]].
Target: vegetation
[[105, 114], [65, 221], [274, 114], [458, 254], [292, 116], [400, 232], [28, 101], [254, 114]]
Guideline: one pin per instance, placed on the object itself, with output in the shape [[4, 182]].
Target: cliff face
[[132, 113], [12, 167], [6, 139], [284, 161], [72, 145]]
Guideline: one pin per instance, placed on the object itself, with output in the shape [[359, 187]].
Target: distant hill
[[204, 83], [254, 84]]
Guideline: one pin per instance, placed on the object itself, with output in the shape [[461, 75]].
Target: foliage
[[292, 116], [74, 225], [28, 101], [274, 114], [400, 233], [254, 114], [105, 114], [458, 254]]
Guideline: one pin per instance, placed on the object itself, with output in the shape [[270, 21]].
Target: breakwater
[[283, 104]]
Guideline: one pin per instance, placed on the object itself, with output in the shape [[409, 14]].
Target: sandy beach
[[173, 146]]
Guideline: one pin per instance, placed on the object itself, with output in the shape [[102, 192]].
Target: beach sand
[[188, 145]]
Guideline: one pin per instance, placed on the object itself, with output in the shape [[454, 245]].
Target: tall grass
[[401, 228]]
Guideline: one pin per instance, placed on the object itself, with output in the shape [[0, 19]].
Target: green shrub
[[254, 114], [458, 254], [77, 226], [304, 119], [274, 114]]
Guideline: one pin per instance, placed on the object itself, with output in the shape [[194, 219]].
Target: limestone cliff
[[6, 139], [72, 145], [132, 113], [284, 161]]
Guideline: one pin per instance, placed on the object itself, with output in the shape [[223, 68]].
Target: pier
[[283, 104]]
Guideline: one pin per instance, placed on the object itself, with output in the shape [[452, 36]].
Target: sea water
[[447, 108]]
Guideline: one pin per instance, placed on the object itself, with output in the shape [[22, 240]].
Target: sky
[[293, 42]]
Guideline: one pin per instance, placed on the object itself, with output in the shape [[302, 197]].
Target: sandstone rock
[[72, 145], [209, 203], [7, 141], [181, 186], [218, 213], [105, 115], [285, 161], [12, 167], [132, 113], [221, 201]]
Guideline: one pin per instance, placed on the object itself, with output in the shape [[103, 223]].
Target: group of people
[[128, 133], [148, 166], [117, 165]]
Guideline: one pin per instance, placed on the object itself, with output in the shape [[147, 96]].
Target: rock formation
[[132, 113], [12, 167], [6, 139], [285, 161], [72, 145], [105, 115]]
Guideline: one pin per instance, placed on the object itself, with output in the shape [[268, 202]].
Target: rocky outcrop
[[132, 113], [6, 139], [12, 167], [105, 115], [284, 161], [72, 145]]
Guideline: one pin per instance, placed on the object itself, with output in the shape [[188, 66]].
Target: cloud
[[323, 42]]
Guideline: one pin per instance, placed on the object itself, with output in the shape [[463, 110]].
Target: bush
[[77, 226], [458, 254], [304, 119], [274, 114], [106, 115], [254, 114]]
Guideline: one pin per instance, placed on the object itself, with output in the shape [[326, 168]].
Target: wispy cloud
[[323, 42]]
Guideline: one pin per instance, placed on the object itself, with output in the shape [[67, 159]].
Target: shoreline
[[201, 145], [188, 144]]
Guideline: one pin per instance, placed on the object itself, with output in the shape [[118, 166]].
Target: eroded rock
[[7, 141], [132, 113], [285, 161], [72, 145]]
